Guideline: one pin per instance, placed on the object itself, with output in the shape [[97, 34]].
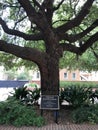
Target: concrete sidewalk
[[53, 127]]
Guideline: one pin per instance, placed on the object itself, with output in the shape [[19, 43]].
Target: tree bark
[[50, 77]]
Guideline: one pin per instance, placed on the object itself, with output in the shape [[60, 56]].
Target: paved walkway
[[53, 127]]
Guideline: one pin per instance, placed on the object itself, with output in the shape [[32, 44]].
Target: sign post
[[50, 102]]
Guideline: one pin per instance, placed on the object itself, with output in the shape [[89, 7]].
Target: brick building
[[69, 75]]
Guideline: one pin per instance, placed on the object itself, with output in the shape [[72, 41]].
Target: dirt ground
[[63, 115]]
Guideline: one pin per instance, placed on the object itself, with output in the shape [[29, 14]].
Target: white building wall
[[2, 77], [94, 76], [36, 76]]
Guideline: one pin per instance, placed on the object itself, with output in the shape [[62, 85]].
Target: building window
[[73, 75], [38, 75], [65, 75]]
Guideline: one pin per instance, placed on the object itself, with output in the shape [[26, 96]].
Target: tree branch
[[73, 38], [20, 34], [89, 42], [28, 7], [83, 48], [78, 19], [18, 21], [56, 8], [26, 53], [38, 18], [36, 3], [85, 32], [70, 47], [47, 9]]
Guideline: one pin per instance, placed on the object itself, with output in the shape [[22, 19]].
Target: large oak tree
[[58, 35]]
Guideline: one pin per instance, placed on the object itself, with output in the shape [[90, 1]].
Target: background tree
[[31, 23]]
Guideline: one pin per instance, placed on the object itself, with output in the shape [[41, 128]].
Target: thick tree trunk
[[50, 77]]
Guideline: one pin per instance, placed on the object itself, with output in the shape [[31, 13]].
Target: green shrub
[[26, 96], [34, 95], [86, 114], [20, 93], [96, 94], [64, 84], [76, 95], [14, 113]]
